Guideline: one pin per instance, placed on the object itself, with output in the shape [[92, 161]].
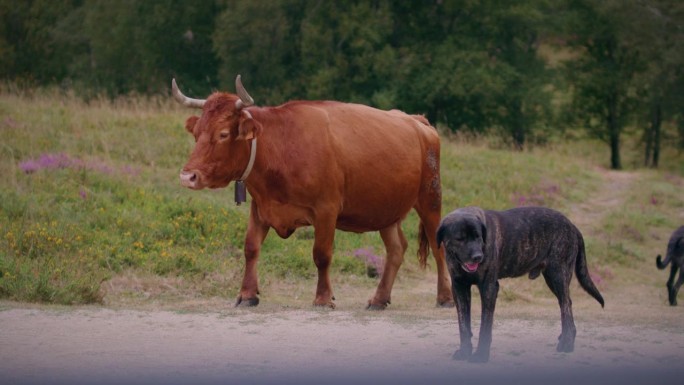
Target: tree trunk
[[517, 125], [615, 163], [614, 133], [655, 127], [680, 129], [648, 144]]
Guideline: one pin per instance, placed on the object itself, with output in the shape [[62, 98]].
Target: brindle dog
[[483, 246], [675, 254]]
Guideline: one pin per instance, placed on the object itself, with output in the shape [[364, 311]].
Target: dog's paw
[[565, 346], [462, 354], [479, 357]]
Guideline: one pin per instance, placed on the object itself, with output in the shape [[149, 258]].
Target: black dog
[[483, 246], [675, 253]]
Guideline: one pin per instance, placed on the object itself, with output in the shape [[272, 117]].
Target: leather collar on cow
[[250, 164], [240, 190], [252, 154]]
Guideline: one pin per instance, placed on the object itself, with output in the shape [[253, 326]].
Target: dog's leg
[[558, 280], [675, 288], [488, 293], [671, 292], [461, 293]]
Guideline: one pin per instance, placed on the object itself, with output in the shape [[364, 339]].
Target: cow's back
[[362, 163], [381, 155]]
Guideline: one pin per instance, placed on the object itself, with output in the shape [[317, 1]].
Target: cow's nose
[[189, 178]]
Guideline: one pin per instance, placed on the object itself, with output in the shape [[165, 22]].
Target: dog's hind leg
[[558, 280], [671, 291]]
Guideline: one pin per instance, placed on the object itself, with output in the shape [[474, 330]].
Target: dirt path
[[305, 346], [610, 195]]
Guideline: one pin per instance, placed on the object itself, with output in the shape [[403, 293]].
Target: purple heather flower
[[60, 160], [47, 161], [370, 258]]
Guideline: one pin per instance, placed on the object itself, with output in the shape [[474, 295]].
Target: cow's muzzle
[[190, 179]]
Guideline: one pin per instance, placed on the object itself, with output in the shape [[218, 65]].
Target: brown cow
[[325, 164]]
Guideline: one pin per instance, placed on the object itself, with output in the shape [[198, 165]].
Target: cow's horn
[[184, 100], [245, 99]]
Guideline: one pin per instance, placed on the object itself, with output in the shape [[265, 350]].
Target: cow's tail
[[663, 264], [423, 246], [583, 274]]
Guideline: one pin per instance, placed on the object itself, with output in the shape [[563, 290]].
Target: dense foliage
[[523, 69]]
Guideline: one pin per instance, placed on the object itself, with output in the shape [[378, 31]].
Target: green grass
[[117, 209]]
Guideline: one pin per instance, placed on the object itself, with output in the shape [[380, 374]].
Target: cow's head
[[222, 137]]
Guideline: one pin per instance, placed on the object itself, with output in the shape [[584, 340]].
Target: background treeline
[[526, 70]]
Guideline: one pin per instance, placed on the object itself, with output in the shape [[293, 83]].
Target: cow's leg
[[429, 213], [256, 233], [671, 294], [395, 244], [324, 236], [429, 208], [558, 280], [488, 294], [462, 294]]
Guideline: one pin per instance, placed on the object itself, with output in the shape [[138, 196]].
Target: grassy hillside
[[91, 209]]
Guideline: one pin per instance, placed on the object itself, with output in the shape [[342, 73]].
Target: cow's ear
[[190, 124], [248, 128]]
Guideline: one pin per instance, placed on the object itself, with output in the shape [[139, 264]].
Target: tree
[[603, 76], [347, 53], [658, 35], [477, 66], [27, 49], [139, 45], [627, 70], [260, 40], [115, 46]]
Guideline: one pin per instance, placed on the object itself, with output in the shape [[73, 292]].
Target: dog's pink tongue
[[471, 267]]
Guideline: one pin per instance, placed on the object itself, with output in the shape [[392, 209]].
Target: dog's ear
[[441, 233], [483, 228]]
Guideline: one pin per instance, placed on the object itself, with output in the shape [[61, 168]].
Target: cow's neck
[[267, 178]]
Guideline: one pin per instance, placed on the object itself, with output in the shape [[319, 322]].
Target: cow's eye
[[224, 134]]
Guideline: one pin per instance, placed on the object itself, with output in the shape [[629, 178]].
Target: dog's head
[[463, 234]]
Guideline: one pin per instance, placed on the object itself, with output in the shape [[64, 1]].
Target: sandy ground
[[279, 345]]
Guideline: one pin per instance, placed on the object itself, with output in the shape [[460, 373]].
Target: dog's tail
[[671, 245], [423, 245], [583, 274], [663, 264]]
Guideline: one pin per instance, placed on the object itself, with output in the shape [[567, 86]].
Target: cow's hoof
[[462, 354], [376, 306], [446, 304], [248, 302], [324, 305]]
